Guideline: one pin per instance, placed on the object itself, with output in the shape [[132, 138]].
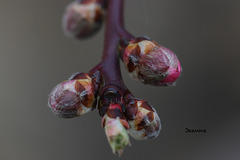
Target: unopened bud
[[73, 98], [83, 18], [151, 63], [143, 120], [115, 126]]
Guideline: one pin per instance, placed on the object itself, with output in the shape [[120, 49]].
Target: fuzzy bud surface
[[82, 19], [143, 120], [116, 126], [73, 98], [151, 63]]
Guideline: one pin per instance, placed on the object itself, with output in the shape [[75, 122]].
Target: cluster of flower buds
[[74, 97], [150, 62], [122, 114], [83, 18], [116, 125], [143, 120]]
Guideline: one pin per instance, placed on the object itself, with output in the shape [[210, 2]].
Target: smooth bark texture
[[109, 66]]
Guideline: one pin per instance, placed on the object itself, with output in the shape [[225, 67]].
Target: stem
[[113, 21], [113, 32], [113, 89], [111, 69]]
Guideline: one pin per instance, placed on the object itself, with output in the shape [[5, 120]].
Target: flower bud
[[115, 126], [151, 63], [143, 120], [82, 18], [73, 98]]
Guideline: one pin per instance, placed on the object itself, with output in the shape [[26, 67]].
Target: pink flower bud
[[82, 18], [115, 126], [151, 63], [73, 98], [143, 120]]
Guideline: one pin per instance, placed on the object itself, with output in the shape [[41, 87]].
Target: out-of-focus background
[[35, 56]]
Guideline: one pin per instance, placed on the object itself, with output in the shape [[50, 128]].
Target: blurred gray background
[[35, 56]]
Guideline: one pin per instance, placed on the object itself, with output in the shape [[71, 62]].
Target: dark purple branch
[[114, 20], [113, 88], [110, 69], [124, 34]]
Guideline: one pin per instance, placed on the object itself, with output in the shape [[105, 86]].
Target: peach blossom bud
[[73, 98], [115, 126], [143, 120], [83, 18], [151, 63]]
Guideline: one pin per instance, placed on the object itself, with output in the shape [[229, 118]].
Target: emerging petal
[[151, 63], [116, 129]]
